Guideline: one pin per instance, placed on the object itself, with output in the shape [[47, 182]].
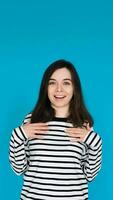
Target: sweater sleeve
[[19, 149], [91, 163]]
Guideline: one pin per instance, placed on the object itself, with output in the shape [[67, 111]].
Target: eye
[[67, 83], [51, 83]]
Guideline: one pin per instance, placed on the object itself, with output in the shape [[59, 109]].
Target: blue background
[[32, 35]]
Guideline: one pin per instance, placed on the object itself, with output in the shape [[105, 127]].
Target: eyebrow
[[65, 79]]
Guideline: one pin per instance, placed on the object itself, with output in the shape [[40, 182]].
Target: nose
[[59, 87]]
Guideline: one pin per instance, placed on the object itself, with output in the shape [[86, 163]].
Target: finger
[[70, 129], [39, 124], [39, 135], [88, 127], [36, 135], [77, 132], [77, 139], [75, 129], [80, 134], [41, 129], [40, 132], [76, 136], [33, 132]]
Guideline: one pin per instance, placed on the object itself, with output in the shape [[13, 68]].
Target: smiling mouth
[[59, 96]]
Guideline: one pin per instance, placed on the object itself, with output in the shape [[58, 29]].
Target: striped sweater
[[55, 167]]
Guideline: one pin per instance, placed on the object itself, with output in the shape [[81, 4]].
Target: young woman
[[56, 147]]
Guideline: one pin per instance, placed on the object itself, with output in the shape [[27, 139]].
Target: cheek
[[50, 92], [70, 91]]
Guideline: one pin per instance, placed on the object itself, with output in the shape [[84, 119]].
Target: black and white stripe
[[54, 166]]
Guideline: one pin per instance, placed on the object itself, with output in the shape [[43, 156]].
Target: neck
[[61, 112]]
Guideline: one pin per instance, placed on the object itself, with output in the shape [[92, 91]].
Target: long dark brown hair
[[78, 113]]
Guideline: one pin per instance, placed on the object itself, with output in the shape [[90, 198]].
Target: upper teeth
[[59, 96]]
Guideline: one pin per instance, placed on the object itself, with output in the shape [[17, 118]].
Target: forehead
[[62, 73]]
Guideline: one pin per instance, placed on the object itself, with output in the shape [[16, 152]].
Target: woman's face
[[60, 88]]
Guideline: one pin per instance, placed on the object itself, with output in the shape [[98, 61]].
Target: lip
[[59, 96]]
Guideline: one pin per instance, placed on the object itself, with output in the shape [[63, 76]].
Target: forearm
[[17, 155], [93, 160]]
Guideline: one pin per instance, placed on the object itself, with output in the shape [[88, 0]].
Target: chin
[[59, 105]]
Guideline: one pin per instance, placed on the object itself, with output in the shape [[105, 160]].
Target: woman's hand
[[35, 130], [78, 134]]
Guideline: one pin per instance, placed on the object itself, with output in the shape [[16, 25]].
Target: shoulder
[[27, 118]]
